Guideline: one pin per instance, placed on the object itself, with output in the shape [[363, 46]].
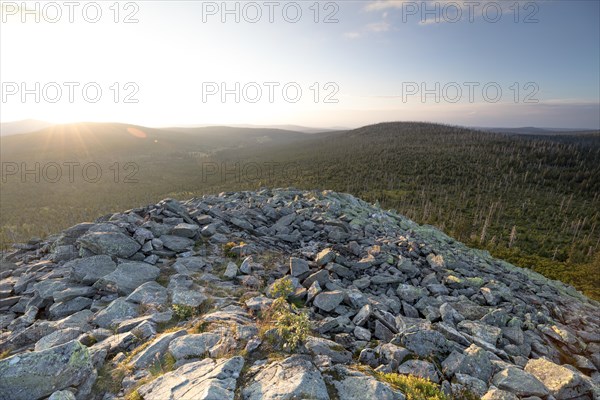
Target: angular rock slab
[[36, 375], [562, 382], [110, 243], [155, 350], [197, 345], [320, 346], [149, 293], [203, 380], [355, 385], [128, 277], [293, 378], [88, 270], [116, 312], [519, 382], [327, 301], [176, 243]]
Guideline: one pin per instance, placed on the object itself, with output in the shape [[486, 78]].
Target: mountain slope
[[531, 200], [24, 126], [99, 140], [326, 296]]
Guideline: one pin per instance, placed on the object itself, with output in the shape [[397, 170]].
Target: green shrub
[[183, 312], [293, 329], [135, 395], [293, 326], [163, 365], [413, 387], [282, 288]]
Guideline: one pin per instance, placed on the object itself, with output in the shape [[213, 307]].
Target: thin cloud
[[378, 27], [352, 35], [465, 6], [375, 27], [379, 5]]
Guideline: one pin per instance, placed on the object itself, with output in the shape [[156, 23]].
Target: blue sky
[[374, 61]]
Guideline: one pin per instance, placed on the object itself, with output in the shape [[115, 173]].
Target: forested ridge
[[533, 200]]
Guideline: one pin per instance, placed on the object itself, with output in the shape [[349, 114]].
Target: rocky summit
[[283, 294]]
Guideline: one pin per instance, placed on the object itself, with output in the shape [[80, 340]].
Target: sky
[[318, 64]]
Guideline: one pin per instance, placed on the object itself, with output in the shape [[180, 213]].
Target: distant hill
[[84, 140], [481, 187], [537, 131], [295, 128], [24, 126], [530, 199]]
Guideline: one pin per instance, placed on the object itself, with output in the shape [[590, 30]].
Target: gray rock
[[66, 308], [363, 315], [437, 289], [319, 346], [142, 235], [37, 375], [47, 288], [420, 368], [298, 266], [72, 292], [155, 350], [57, 338], [80, 320], [355, 385], [186, 297], [129, 324], [393, 355], [324, 257], [452, 334], [185, 230], [385, 279], [293, 378], [246, 266], [313, 291], [116, 343], [259, 303], [321, 276], [362, 283], [472, 384], [327, 301], [410, 293], [149, 293], [88, 270], [488, 333], [241, 223], [519, 382], [231, 271], [362, 333], [497, 394], [382, 332], [203, 380], [62, 395], [209, 230], [176, 243], [189, 265], [562, 382], [450, 315], [476, 362], [340, 270], [144, 330], [128, 277], [110, 243], [190, 346], [425, 343], [116, 312]]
